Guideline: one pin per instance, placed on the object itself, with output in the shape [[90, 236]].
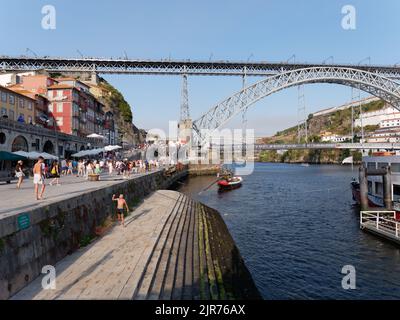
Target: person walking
[[55, 173], [110, 167], [19, 173], [121, 203], [38, 178]]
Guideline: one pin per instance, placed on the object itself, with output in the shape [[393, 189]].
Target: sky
[[251, 30]]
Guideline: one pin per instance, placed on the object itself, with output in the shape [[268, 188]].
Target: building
[[41, 104], [390, 135], [16, 106], [374, 118], [330, 137], [75, 110], [8, 79]]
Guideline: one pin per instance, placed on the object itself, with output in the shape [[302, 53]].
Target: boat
[[379, 160], [305, 164], [229, 183]]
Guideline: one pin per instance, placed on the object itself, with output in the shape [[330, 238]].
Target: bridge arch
[[379, 86]]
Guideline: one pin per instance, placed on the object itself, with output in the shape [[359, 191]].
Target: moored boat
[[230, 183], [380, 160]]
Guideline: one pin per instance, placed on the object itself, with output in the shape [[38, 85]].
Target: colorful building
[[17, 106], [75, 110]]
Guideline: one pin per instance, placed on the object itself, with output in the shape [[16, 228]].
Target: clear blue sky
[[227, 29]]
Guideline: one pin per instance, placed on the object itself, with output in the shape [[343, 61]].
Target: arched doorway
[[19, 144], [48, 147], [82, 148]]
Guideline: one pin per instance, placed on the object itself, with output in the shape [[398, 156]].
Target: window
[[396, 192], [371, 165], [59, 107], [59, 93], [379, 188], [11, 114], [50, 107], [382, 165], [395, 167], [30, 119], [3, 111], [21, 103], [3, 96], [60, 121], [29, 105], [11, 99]]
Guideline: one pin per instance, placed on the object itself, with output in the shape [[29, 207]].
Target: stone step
[[146, 281], [181, 265], [203, 268], [160, 273], [189, 285], [172, 266]]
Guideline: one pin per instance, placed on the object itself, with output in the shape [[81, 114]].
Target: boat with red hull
[[230, 183]]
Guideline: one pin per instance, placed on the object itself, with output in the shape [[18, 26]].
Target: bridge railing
[[383, 221]]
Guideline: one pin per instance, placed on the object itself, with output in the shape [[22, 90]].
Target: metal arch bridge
[[373, 83], [174, 67]]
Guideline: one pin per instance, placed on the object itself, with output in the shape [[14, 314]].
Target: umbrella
[[48, 156], [21, 153], [111, 148], [4, 155], [95, 135]]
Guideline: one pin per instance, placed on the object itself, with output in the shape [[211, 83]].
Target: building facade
[[16, 106]]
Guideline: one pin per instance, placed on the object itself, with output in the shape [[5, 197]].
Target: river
[[296, 227]]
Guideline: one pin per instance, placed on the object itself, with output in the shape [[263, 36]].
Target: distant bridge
[[344, 145]]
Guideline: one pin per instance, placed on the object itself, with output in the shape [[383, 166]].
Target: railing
[[381, 221]]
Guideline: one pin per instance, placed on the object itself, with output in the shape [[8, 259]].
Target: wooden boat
[[230, 183]]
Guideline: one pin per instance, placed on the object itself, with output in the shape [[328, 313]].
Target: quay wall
[[203, 169], [60, 228]]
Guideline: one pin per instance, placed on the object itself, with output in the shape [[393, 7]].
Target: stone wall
[[60, 228]]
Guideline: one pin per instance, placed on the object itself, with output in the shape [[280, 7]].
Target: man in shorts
[[38, 178], [121, 203]]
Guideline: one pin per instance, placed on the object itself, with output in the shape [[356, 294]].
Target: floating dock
[[381, 223]]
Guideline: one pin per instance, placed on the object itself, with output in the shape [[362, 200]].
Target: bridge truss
[[375, 84], [173, 67]]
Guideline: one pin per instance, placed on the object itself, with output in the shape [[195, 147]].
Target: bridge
[[378, 80], [345, 145], [174, 67]]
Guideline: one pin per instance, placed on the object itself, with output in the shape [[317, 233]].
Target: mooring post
[[363, 187], [387, 189]]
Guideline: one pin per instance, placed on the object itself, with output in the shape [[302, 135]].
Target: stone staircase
[[194, 258]]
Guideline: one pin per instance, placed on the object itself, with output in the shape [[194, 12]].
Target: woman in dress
[[55, 173], [19, 173]]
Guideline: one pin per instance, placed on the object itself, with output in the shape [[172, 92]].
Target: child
[[120, 208]]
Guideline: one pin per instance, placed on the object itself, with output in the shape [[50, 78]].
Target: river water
[[296, 227]]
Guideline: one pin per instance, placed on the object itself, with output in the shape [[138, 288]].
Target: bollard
[[363, 187], [387, 189]]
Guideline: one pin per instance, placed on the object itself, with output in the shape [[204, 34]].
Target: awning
[[4, 155], [34, 155]]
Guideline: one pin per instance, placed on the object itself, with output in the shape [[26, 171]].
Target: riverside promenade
[[14, 200], [36, 233]]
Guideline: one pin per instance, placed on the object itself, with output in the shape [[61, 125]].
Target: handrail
[[380, 221]]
